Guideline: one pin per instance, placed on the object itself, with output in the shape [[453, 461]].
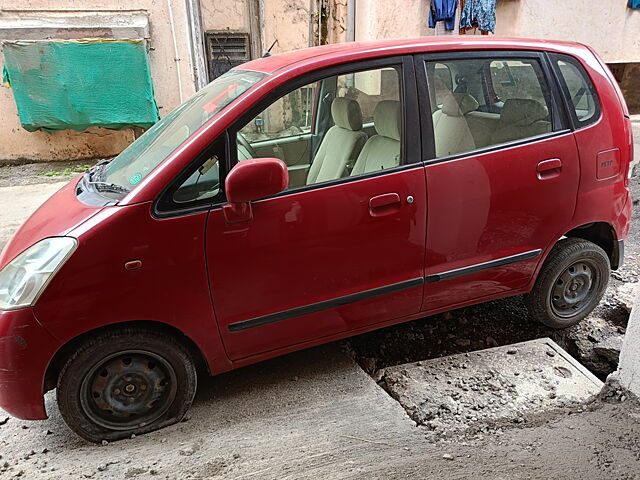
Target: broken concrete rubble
[[625, 295], [450, 394]]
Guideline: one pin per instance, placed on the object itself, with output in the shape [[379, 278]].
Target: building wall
[[376, 19], [16, 143], [609, 26], [224, 15], [288, 22]]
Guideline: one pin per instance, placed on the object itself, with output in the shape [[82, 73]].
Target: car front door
[[337, 255], [502, 172]]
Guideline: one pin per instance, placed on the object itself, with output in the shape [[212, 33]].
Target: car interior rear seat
[[382, 151], [450, 126], [521, 118], [482, 125], [341, 144]]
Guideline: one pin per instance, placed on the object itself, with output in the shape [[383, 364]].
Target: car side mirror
[[252, 180]]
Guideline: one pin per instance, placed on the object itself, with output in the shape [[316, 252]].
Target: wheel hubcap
[[128, 389], [572, 290]]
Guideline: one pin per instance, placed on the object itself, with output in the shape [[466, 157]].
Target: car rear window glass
[[578, 89], [484, 102], [515, 79]]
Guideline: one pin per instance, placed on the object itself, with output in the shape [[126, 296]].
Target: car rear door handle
[[549, 168], [384, 204]]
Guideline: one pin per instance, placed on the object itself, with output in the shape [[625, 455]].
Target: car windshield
[[116, 178]]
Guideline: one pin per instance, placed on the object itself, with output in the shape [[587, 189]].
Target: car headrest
[[386, 119], [459, 104], [346, 113], [522, 111]]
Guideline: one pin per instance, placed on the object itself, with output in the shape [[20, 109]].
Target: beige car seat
[[342, 143], [521, 118], [382, 151], [450, 127]]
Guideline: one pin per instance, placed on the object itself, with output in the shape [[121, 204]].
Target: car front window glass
[[364, 135]]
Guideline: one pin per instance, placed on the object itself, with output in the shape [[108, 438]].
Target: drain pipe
[[311, 22], [176, 55], [351, 20], [196, 41]]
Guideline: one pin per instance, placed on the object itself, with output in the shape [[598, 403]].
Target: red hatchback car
[[306, 197]]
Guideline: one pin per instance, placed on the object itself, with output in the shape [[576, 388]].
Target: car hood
[[56, 217]]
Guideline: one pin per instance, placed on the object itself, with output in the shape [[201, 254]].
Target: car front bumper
[[25, 351]]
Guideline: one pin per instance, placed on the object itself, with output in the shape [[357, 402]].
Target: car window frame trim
[[410, 143], [410, 150], [563, 88], [560, 122]]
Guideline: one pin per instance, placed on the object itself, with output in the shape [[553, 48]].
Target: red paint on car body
[[203, 276]]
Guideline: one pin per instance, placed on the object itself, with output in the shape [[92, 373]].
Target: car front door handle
[[384, 204], [549, 168]]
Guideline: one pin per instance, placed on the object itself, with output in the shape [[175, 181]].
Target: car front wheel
[[571, 282], [124, 382]]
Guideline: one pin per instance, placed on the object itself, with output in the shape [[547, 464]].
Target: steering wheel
[[244, 147]]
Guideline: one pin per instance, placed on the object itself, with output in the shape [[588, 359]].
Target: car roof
[[353, 51]]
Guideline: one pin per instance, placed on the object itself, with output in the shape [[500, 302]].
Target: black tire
[[571, 283], [126, 381]]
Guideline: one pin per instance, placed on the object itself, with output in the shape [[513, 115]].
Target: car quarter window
[[579, 91], [490, 101], [199, 185], [352, 126]]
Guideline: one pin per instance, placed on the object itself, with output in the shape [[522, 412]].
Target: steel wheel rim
[[573, 289], [128, 389]]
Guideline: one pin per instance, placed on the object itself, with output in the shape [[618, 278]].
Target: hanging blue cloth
[[481, 14], [443, 11], [634, 4]]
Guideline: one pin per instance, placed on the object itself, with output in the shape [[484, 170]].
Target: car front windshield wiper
[[105, 187], [96, 173]]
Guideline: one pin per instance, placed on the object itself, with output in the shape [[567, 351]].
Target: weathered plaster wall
[[288, 22], [16, 143], [609, 26], [337, 21], [224, 15], [376, 19]]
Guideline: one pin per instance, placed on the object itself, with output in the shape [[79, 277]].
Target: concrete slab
[[628, 373], [500, 384], [18, 202], [312, 414]]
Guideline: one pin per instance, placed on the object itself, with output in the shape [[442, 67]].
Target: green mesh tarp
[[78, 84]]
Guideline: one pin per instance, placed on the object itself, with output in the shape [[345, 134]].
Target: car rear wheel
[[124, 382], [572, 281]]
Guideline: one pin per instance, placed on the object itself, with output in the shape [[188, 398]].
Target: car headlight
[[24, 278]]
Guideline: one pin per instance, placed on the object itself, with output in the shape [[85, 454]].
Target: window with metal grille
[[226, 50]]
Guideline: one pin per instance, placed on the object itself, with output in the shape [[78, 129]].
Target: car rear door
[[339, 256], [501, 187]]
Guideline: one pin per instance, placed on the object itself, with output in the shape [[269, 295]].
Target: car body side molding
[[376, 292], [325, 305], [478, 267]]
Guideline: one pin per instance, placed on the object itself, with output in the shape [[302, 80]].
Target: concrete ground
[[315, 414], [18, 202]]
